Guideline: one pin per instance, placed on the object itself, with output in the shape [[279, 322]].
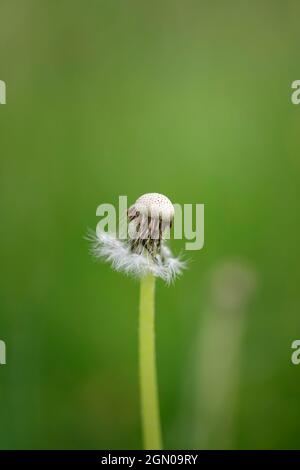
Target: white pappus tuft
[[144, 251]]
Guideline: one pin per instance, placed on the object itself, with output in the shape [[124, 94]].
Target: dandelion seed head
[[145, 250], [156, 205], [149, 218]]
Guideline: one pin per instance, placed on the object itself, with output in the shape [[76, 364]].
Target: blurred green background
[[190, 99]]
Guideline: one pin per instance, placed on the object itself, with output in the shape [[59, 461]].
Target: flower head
[[144, 251]]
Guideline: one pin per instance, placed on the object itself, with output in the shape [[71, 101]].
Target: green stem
[[148, 381]]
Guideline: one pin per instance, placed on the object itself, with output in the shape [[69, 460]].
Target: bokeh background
[[190, 99]]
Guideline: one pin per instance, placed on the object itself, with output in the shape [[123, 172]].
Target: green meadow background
[[122, 97]]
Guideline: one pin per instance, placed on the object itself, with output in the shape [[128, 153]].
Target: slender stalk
[[148, 381]]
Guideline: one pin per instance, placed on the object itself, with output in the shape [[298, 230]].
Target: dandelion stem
[[148, 381]]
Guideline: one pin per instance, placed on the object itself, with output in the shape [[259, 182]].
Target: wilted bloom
[[144, 251]]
